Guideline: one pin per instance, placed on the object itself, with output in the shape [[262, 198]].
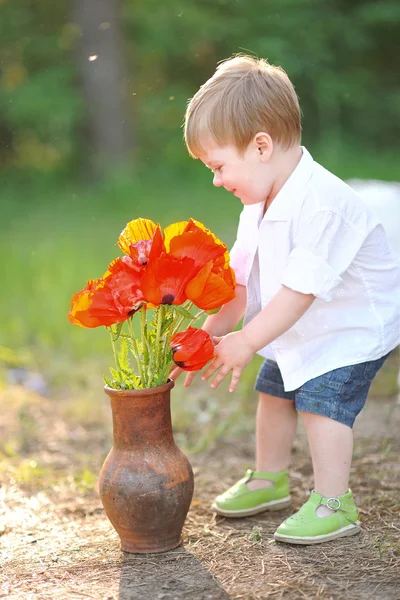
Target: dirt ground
[[56, 542]]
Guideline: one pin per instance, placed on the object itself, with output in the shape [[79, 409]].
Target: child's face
[[247, 176]]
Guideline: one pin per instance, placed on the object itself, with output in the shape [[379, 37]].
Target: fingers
[[217, 380], [211, 369], [189, 378], [175, 373], [225, 370], [216, 364], [236, 373]]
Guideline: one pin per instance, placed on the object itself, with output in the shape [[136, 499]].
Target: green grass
[[55, 236], [56, 240], [350, 162]]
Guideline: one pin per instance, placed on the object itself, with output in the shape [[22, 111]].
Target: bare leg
[[275, 431], [331, 447]]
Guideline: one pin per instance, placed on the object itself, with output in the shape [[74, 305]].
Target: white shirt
[[318, 237]]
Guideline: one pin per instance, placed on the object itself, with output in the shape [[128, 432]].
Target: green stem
[[136, 351], [189, 305], [167, 335], [146, 349], [199, 314], [158, 349], [176, 327], [114, 347]]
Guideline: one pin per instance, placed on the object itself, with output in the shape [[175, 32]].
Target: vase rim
[[159, 389]]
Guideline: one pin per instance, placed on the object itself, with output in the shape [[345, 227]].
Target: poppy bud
[[192, 349]]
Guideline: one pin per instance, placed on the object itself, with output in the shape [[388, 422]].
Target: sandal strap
[[262, 475], [336, 504]]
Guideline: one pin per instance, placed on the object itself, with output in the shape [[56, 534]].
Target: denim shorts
[[339, 394]]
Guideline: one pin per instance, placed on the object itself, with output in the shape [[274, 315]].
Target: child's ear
[[264, 145]]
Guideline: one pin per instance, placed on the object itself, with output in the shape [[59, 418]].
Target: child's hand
[[189, 376], [232, 353]]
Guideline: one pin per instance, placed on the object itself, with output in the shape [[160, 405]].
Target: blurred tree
[[339, 55], [101, 62], [39, 103], [342, 57]]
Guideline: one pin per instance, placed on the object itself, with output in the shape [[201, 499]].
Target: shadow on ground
[[57, 544], [171, 576]]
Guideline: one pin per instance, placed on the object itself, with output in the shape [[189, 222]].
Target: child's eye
[[216, 169]]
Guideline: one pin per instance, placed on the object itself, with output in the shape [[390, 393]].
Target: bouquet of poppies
[[162, 277]]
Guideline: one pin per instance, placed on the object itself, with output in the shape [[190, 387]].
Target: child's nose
[[217, 181]]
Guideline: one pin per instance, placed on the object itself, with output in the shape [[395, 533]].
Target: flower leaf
[[123, 360], [161, 377], [111, 384], [181, 311], [116, 330]]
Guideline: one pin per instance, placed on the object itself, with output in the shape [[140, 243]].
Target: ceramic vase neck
[[141, 420]]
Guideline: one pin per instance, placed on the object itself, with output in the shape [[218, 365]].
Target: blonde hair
[[245, 95]]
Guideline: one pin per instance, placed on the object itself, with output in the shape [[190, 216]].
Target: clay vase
[[146, 482]]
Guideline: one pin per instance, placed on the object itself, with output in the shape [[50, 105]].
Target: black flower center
[[168, 299]]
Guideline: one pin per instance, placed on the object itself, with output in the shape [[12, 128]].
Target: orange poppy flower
[[187, 261], [80, 303], [197, 245], [192, 349], [212, 287], [120, 263], [108, 300], [141, 236], [144, 250], [157, 244], [178, 229], [172, 231], [165, 279], [193, 225], [135, 231]]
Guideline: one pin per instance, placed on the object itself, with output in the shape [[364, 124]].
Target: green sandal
[[306, 527], [239, 501]]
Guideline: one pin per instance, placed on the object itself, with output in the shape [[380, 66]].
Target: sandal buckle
[[333, 503], [249, 475]]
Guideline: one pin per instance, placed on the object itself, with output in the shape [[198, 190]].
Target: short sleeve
[[238, 254], [325, 246], [237, 263]]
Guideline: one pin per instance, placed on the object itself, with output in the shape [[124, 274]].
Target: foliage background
[[92, 98], [67, 193]]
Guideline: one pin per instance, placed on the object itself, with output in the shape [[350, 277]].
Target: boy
[[319, 287]]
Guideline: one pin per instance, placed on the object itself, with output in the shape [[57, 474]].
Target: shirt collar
[[282, 205]]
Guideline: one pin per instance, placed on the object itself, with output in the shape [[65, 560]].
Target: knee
[[282, 404]]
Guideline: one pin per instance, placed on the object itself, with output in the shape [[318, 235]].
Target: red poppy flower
[[192, 349], [165, 279], [110, 299], [139, 253], [212, 287], [124, 283]]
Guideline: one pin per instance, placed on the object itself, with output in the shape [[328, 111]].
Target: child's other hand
[[232, 353], [177, 371]]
